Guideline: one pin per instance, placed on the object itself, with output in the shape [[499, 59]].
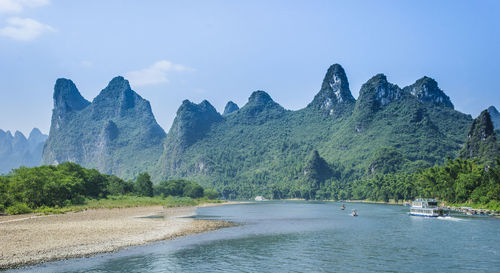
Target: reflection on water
[[296, 236]]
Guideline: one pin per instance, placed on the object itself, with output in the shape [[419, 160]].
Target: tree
[[193, 190], [143, 185], [116, 186], [211, 194]]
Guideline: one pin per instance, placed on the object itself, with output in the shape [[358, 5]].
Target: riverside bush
[[68, 186], [18, 208]]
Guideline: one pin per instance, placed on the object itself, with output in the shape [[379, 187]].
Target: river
[[297, 236]]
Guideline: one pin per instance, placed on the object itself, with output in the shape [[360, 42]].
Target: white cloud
[[16, 6], [24, 29], [154, 74]]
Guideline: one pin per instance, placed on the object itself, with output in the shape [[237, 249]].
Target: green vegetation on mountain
[[263, 149], [379, 146], [481, 140], [116, 133], [458, 181], [230, 107], [68, 186], [472, 179]]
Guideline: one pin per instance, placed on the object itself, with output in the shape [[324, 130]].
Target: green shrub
[[18, 208], [193, 190], [211, 194], [143, 185]]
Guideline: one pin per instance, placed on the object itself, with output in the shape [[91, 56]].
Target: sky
[[225, 50]]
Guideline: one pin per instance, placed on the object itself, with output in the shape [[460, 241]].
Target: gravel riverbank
[[31, 239]]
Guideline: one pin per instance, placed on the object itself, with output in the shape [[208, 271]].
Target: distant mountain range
[[18, 151], [261, 146]]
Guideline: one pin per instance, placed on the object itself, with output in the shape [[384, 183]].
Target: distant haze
[[224, 50]]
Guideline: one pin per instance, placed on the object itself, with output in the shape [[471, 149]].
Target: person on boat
[[343, 207]]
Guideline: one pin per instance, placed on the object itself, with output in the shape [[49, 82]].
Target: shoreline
[[30, 240], [490, 212]]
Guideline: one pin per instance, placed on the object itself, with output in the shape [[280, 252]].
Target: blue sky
[[224, 50]]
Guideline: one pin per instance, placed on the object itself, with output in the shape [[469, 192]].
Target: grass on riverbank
[[127, 201]]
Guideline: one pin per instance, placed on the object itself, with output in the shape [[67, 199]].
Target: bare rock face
[[375, 94], [335, 97], [427, 91], [116, 133]]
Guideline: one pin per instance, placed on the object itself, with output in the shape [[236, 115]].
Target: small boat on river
[[343, 207], [260, 198], [427, 208], [354, 212]]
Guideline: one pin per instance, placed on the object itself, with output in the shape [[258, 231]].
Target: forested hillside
[[474, 178], [263, 149]]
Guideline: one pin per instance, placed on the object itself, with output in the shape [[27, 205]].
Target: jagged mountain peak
[[118, 99], [481, 140], [483, 122], [16, 151], [260, 108], [7, 134], [259, 97], [35, 133], [495, 117], [207, 105], [119, 82], [379, 78], [67, 97], [192, 122], [230, 108], [117, 88], [105, 134], [19, 135], [426, 90], [189, 106], [335, 78], [377, 91], [334, 91]]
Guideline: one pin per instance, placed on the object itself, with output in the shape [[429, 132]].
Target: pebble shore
[[31, 239]]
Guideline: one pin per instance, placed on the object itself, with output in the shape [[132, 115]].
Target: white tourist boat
[[260, 198], [427, 208]]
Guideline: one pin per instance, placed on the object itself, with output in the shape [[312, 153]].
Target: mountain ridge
[[17, 150], [263, 146], [258, 149], [105, 134]]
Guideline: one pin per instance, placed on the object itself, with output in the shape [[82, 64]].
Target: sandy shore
[[30, 239]]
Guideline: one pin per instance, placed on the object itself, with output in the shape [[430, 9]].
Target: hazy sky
[[224, 50]]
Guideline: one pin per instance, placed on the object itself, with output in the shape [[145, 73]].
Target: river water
[[295, 236]]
